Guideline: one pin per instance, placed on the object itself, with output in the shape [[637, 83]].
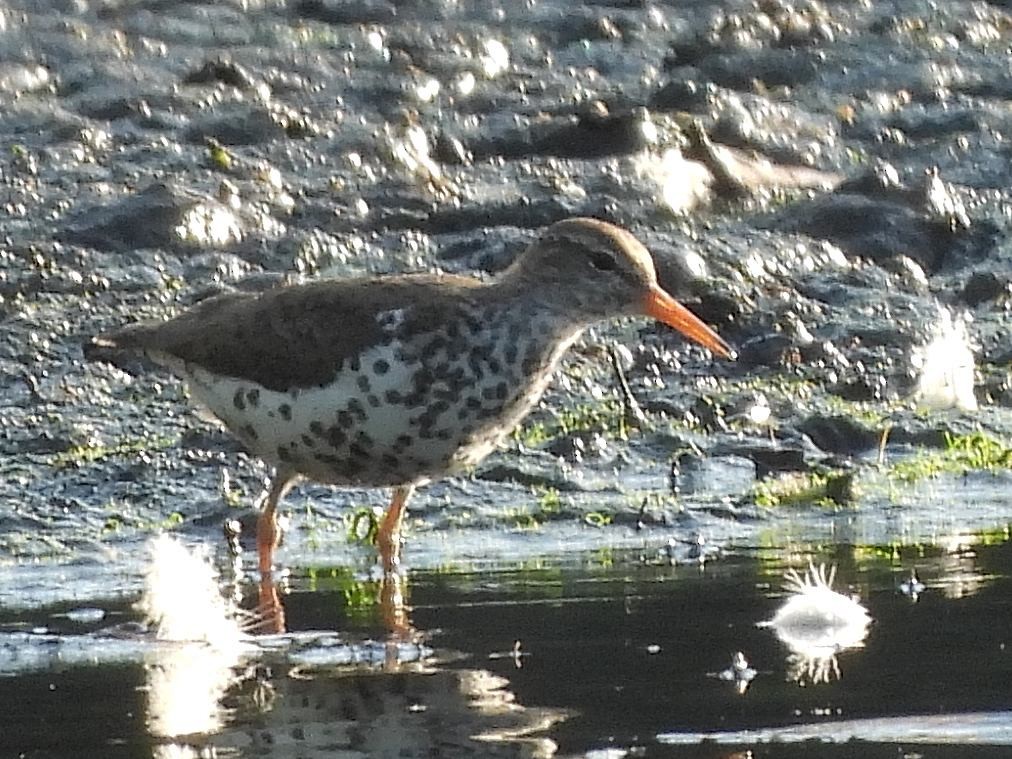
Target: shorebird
[[395, 381]]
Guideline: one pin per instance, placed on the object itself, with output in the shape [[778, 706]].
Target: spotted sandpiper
[[395, 381]]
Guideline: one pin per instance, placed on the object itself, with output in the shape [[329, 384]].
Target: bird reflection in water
[[269, 613], [216, 689], [390, 597]]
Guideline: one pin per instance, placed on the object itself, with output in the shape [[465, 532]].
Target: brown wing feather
[[298, 336]]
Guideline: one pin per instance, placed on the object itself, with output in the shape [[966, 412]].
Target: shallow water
[[618, 650]]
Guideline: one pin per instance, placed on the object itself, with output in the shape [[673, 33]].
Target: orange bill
[[664, 308]]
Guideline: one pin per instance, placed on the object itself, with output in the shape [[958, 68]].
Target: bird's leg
[[267, 523], [269, 611], [388, 538], [395, 612]]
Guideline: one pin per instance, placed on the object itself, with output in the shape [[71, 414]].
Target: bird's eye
[[602, 262]]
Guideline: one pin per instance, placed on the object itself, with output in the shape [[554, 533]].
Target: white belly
[[369, 427]]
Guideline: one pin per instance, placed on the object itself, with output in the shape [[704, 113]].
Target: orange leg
[[267, 523], [389, 536], [270, 612], [395, 612]]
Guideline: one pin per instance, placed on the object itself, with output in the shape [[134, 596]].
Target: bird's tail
[[122, 348]]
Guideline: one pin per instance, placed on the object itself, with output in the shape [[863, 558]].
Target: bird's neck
[[540, 299]]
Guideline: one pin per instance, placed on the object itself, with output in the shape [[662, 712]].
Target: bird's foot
[[269, 614]]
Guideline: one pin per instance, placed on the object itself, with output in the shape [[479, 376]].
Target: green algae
[[827, 488], [976, 451]]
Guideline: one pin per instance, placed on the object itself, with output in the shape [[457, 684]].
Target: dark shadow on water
[[616, 650]]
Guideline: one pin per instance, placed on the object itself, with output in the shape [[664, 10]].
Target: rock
[[839, 434]]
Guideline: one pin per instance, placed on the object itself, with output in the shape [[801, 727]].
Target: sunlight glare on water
[[182, 599], [188, 678]]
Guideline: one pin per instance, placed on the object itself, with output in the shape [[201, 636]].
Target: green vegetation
[[830, 488], [172, 520], [360, 596], [92, 451], [875, 416], [550, 507], [218, 156], [606, 417], [977, 451], [522, 519], [550, 504], [232, 497], [597, 519], [123, 520], [653, 505], [362, 525]]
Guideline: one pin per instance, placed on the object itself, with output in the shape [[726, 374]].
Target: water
[[618, 649]]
